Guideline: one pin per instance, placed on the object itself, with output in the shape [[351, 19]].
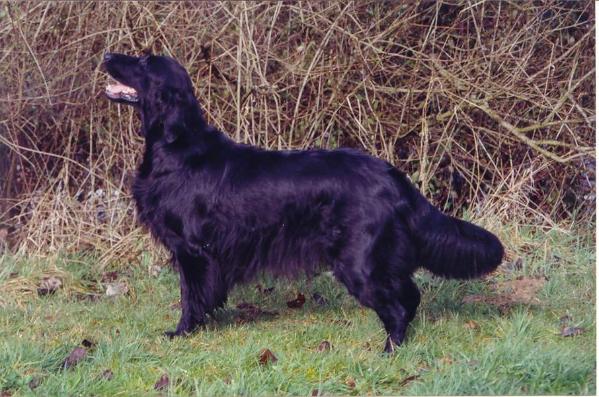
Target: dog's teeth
[[121, 91]]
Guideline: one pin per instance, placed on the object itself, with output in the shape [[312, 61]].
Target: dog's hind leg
[[200, 291], [379, 276]]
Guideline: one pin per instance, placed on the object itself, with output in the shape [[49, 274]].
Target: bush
[[489, 107]]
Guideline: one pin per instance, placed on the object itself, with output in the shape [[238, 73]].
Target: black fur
[[226, 211]]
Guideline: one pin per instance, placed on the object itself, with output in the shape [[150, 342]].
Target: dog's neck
[[197, 137]]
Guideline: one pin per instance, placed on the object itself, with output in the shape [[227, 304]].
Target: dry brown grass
[[488, 105]]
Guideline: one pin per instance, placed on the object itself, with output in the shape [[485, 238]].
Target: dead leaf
[[5, 393], [565, 319], [34, 383], [107, 374], [324, 346], [264, 291], [572, 331], [116, 289], [87, 297], [267, 357], [108, 277], [319, 299], [471, 324], [409, 379], [49, 285], [298, 302], [162, 383], [76, 356], [249, 312], [315, 392], [350, 382]]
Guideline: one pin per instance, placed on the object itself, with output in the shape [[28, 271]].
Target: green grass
[[514, 351]]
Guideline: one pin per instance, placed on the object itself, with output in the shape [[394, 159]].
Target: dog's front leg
[[193, 271]]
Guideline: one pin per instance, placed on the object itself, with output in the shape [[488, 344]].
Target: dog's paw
[[174, 334], [170, 334]]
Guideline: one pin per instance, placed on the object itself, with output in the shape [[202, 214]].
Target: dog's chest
[[159, 207]]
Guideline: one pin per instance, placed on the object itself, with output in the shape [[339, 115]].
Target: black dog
[[226, 210]]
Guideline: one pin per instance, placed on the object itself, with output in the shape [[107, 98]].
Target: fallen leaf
[[49, 285], [249, 312], [315, 392], [319, 299], [565, 319], [266, 357], [514, 265], [117, 289], [471, 324], [87, 297], [107, 374], [264, 291], [76, 356], [34, 383], [108, 277], [5, 393], [350, 382], [408, 380], [572, 331], [298, 302], [162, 383], [324, 346]]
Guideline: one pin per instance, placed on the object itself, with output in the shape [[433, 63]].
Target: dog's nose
[[108, 56]]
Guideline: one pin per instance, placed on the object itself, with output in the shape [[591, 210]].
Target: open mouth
[[122, 92]]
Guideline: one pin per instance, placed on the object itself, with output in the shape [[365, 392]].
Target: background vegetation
[[489, 106]]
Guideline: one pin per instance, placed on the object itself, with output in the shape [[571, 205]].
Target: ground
[[504, 334]]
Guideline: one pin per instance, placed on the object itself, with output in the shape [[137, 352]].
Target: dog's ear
[[174, 124]]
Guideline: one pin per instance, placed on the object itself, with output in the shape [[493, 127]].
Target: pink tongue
[[118, 88]]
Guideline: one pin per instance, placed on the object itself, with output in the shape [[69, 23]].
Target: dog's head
[[157, 86]]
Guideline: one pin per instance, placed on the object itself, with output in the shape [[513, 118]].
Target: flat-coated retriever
[[226, 210]]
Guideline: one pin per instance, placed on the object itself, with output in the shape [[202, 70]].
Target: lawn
[[501, 335]]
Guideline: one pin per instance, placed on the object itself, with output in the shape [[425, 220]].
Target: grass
[[518, 350]]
